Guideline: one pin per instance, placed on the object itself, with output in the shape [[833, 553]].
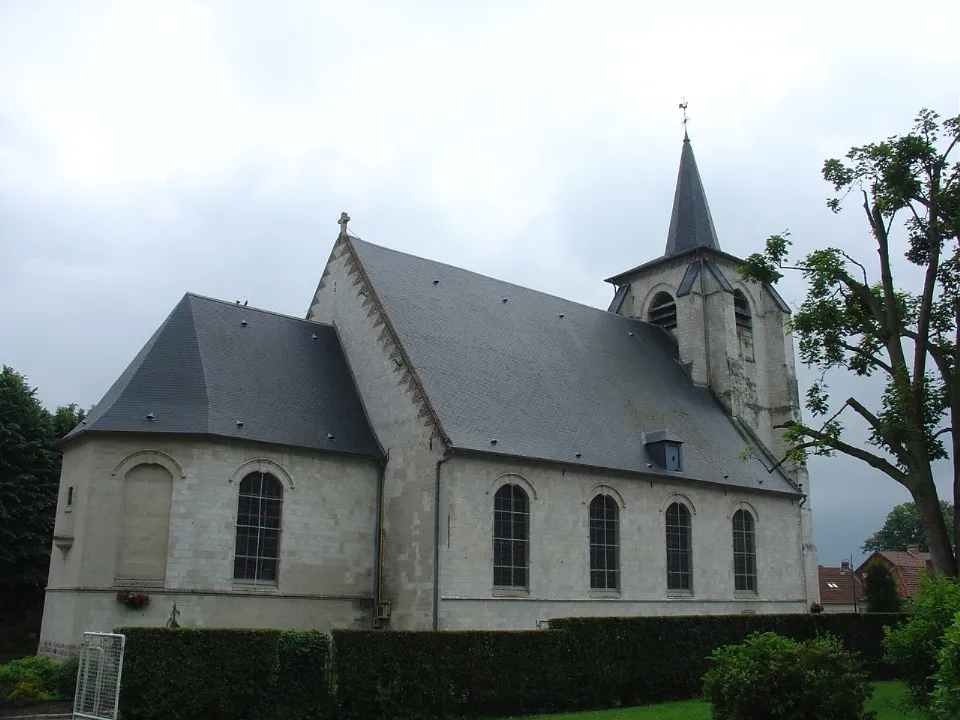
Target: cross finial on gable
[[342, 222]]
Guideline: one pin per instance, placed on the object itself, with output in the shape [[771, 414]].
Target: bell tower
[[731, 333]]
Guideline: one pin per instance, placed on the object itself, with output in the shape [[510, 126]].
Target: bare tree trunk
[[934, 527]]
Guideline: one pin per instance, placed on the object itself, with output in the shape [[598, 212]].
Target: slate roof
[[203, 371], [691, 224], [551, 379]]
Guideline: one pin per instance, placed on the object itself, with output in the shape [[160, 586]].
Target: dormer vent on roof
[[664, 447]]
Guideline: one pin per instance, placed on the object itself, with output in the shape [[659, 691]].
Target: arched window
[[663, 311], [604, 543], [511, 537], [741, 309], [258, 528], [679, 550], [744, 552]]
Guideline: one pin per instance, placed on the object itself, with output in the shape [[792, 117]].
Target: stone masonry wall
[[403, 423], [326, 546], [559, 546]]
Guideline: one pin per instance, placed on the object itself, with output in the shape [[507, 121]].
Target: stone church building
[[433, 448]]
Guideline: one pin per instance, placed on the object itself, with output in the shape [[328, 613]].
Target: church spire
[[691, 225]]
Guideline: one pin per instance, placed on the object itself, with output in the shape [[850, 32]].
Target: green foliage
[[25, 679], [909, 189], [913, 645], [421, 675], [63, 682], [902, 529], [220, 674], [880, 589], [579, 663], [29, 481], [945, 700], [768, 675]]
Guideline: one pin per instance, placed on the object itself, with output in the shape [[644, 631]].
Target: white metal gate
[[98, 677]]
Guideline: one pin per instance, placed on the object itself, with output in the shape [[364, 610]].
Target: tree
[[911, 200], [880, 589], [28, 489], [902, 529]]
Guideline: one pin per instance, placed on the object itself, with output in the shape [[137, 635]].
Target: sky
[[151, 149]]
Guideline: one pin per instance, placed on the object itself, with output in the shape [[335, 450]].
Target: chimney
[[845, 566], [913, 549]]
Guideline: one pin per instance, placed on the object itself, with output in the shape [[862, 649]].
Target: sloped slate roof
[[548, 378], [203, 371], [691, 224]]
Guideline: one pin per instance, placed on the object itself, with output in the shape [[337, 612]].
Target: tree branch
[[875, 461], [867, 356]]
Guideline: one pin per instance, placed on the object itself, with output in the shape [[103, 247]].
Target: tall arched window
[[744, 552], [663, 311], [679, 549], [604, 543], [511, 537], [741, 309], [258, 528]]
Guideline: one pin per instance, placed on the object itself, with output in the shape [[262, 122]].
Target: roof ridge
[[505, 282], [204, 376], [198, 296]]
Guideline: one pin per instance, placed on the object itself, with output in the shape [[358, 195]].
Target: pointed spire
[[691, 225]]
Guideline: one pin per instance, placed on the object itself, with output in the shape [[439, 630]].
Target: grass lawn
[[886, 700]]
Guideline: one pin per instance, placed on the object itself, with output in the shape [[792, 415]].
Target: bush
[[304, 690], [63, 682], [913, 646], [194, 674], [945, 700], [768, 675], [639, 660], [25, 679], [419, 675], [880, 589]]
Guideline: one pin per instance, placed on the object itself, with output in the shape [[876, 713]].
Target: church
[[431, 448]]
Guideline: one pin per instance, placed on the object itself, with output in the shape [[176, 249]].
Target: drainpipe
[[378, 558], [436, 540]]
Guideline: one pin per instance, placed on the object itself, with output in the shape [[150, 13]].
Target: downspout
[[436, 540], [378, 558]]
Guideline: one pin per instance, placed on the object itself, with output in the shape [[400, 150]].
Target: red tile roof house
[[905, 567], [841, 591]]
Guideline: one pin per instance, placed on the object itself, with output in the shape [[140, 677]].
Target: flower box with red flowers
[[133, 599]]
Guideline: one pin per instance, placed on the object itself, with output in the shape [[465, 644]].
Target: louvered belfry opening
[[741, 309], [663, 311]]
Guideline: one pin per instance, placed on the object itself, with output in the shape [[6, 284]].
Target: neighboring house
[[841, 591], [433, 448], [905, 567]]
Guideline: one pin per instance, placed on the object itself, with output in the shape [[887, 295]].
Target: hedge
[[413, 674], [579, 663], [224, 673], [640, 660]]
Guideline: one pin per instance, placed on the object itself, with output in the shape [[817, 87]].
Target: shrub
[[880, 589], [913, 646], [945, 700], [816, 608], [768, 675], [25, 679], [63, 681], [196, 674]]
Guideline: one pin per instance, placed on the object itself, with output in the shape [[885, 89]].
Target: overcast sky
[[149, 149]]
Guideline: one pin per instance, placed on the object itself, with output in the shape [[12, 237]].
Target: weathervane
[[683, 106]]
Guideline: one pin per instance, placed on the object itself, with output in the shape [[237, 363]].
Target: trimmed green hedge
[[194, 674], [579, 663], [638, 660], [224, 674]]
